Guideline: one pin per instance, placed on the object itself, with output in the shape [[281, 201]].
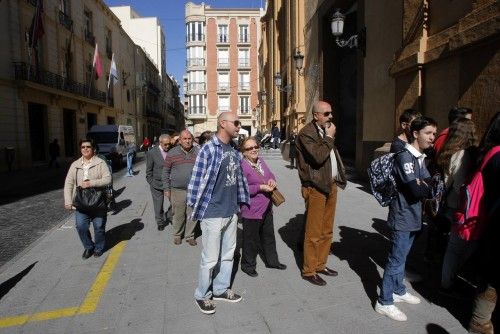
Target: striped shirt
[[204, 176], [178, 167]]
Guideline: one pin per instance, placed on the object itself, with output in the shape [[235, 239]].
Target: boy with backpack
[[405, 215]]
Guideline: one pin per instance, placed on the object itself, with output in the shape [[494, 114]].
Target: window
[[243, 34], [196, 105], [195, 56], [194, 32], [243, 57], [244, 105], [223, 35], [64, 6], [244, 81], [223, 57], [223, 81], [88, 25], [196, 80], [109, 43], [223, 103]]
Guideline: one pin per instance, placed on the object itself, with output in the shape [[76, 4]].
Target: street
[[144, 283]]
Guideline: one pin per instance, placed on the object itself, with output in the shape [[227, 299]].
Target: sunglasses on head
[[256, 147], [236, 123]]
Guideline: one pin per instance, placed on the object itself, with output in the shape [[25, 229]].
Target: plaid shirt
[[204, 176]]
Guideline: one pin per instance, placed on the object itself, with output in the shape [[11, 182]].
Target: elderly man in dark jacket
[[321, 171]]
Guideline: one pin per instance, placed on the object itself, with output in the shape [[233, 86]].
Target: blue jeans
[[130, 157], [458, 251], [219, 241], [394, 272], [82, 226]]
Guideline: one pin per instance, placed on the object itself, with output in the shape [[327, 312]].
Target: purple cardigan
[[259, 201]]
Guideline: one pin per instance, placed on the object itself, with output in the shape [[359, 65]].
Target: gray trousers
[[158, 200], [181, 219]]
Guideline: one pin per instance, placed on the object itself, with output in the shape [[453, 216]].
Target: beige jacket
[[99, 176]]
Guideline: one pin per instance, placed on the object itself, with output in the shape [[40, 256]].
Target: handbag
[[277, 197], [91, 201]]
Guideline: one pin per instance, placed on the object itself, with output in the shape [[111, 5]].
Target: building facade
[[48, 86], [405, 54], [222, 71]]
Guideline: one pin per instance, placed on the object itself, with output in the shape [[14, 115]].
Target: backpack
[[382, 179], [470, 217]]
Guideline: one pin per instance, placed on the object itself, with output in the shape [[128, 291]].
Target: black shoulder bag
[[91, 201]]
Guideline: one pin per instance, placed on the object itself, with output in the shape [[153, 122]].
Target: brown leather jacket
[[313, 160]]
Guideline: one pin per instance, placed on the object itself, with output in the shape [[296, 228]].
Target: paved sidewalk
[[145, 284]]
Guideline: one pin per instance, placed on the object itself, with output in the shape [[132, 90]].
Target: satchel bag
[[277, 197]]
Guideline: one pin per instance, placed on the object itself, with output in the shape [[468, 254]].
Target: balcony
[[89, 37], [23, 71], [244, 112], [195, 86], [222, 39], [192, 62], [223, 87], [196, 112], [243, 62], [222, 62], [244, 87], [224, 109], [195, 38], [65, 20], [244, 39], [152, 113]]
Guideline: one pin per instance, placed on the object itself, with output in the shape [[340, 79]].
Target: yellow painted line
[[88, 305], [94, 295]]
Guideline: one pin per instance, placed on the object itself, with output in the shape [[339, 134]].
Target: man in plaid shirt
[[215, 192]]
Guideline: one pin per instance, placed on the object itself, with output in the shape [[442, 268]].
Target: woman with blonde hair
[[456, 161], [257, 216]]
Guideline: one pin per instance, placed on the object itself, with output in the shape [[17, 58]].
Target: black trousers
[[259, 234]]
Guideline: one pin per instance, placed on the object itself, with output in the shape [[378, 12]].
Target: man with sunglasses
[[215, 192], [321, 171]]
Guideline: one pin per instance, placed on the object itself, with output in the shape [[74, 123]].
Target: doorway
[[69, 124], [37, 114], [91, 120]]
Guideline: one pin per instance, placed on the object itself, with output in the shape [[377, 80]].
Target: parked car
[[113, 141]]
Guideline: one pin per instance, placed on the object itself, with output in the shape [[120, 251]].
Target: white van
[[114, 141]]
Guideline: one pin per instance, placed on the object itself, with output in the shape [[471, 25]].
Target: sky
[[171, 16]]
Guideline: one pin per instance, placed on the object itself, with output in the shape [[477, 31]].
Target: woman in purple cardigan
[[257, 218]]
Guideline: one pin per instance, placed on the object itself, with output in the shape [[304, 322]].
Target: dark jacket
[[154, 168], [292, 153], [313, 160]]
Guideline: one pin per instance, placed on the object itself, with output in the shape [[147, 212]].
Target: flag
[[113, 72], [36, 28], [96, 63]]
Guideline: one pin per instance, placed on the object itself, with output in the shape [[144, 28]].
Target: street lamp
[[278, 83], [337, 27]]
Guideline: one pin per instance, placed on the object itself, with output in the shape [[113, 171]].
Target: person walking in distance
[[321, 171], [275, 133], [292, 151], [405, 216], [155, 159], [215, 192], [54, 152], [176, 174], [130, 159]]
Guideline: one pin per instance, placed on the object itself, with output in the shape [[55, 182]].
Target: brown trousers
[[320, 214]]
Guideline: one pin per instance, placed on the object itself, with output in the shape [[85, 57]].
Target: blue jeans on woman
[[219, 242], [82, 226], [130, 157], [394, 272]]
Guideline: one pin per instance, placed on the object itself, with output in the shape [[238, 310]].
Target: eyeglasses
[[236, 123], [85, 146], [256, 147], [326, 113]]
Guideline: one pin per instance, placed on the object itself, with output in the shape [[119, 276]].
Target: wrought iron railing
[[23, 71]]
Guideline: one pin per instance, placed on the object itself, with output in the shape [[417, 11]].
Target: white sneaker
[[391, 311], [407, 298]]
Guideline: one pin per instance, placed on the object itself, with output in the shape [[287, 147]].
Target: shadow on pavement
[[435, 329], [119, 206], [292, 234], [6, 286], [118, 192], [122, 232]]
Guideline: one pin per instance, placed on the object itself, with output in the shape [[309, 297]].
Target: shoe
[[192, 242], [228, 296], [205, 305], [250, 272], [315, 279], [390, 311], [328, 272], [161, 227], [475, 327], [87, 253], [97, 253], [177, 240], [279, 266], [407, 298]]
